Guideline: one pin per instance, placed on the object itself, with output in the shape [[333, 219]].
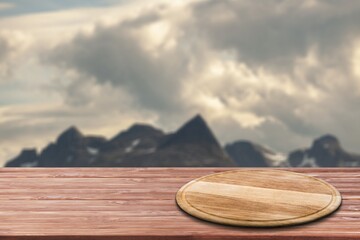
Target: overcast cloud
[[279, 73]]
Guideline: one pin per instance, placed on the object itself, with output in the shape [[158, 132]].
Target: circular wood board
[[258, 198]]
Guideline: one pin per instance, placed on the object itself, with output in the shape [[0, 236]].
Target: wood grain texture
[[258, 198], [139, 203]]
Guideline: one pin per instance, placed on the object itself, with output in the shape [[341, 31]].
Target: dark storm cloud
[[115, 55], [274, 33]]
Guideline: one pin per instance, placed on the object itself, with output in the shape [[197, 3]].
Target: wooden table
[[139, 203]]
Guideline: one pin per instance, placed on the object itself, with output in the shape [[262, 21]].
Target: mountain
[[248, 154], [325, 151], [195, 144], [137, 142], [149, 136], [27, 158], [192, 145], [71, 149], [195, 131]]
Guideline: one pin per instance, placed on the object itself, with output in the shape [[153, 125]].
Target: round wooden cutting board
[[258, 198]]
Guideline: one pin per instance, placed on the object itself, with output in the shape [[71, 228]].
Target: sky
[[276, 72]]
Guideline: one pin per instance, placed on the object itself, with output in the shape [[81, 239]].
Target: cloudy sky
[[277, 72]]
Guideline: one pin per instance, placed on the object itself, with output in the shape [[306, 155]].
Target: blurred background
[[179, 83]]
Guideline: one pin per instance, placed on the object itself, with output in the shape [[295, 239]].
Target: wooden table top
[[139, 203]]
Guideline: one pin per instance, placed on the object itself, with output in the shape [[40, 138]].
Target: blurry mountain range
[[192, 145]]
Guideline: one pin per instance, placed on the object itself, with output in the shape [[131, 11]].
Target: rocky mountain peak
[[247, 154], [70, 136], [326, 150], [194, 131], [29, 153], [327, 142], [137, 131], [139, 127], [27, 157]]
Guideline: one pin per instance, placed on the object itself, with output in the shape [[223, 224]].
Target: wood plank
[[149, 172], [139, 203]]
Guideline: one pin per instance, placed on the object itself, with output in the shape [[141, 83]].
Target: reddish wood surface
[[139, 203]]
